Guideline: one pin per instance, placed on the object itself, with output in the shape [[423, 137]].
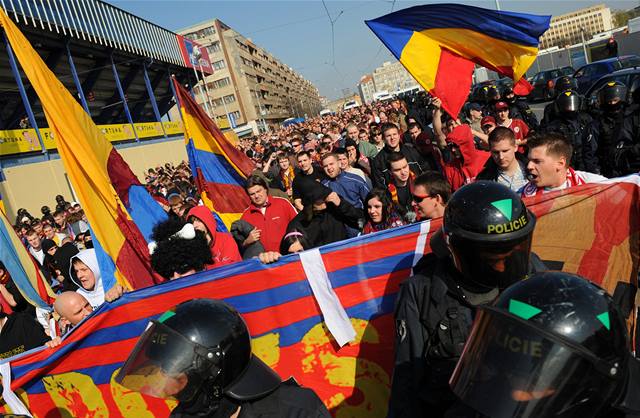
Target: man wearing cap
[[488, 124], [474, 120], [519, 128]]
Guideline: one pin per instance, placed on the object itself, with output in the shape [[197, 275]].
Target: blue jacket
[[350, 187]]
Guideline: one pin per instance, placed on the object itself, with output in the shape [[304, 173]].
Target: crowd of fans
[[359, 171]]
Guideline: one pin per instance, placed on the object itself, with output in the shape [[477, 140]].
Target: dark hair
[[289, 240], [383, 196], [557, 144], [340, 151], [435, 183], [414, 125], [394, 157], [256, 180], [387, 126], [58, 212], [30, 232], [301, 153], [173, 254], [501, 133], [331, 154]]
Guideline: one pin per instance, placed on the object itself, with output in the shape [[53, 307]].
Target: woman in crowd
[[380, 213]]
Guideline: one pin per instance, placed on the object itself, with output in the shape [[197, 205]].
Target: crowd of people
[[361, 171]]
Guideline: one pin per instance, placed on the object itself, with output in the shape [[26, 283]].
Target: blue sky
[[299, 32]]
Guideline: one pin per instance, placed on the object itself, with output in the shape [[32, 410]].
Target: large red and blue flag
[[574, 233], [440, 43]]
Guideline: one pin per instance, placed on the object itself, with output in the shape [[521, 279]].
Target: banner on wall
[[574, 233]]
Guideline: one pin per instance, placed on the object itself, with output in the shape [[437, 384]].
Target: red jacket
[[460, 172], [224, 249], [273, 224]]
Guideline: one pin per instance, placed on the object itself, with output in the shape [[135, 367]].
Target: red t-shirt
[[273, 224]]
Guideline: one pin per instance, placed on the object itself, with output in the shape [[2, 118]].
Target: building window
[[219, 65], [221, 83], [214, 47], [235, 114], [229, 99]]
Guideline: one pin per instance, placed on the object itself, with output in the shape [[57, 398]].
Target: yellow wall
[[32, 186]]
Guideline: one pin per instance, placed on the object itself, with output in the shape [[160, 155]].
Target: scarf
[[573, 179], [287, 178], [393, 190], [392, 221]]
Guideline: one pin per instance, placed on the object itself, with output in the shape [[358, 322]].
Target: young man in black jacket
[[506, 166]]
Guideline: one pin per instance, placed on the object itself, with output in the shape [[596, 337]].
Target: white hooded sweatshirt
[[95, 296]]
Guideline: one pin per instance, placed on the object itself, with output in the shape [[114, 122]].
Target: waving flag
[[219, 168], [439, 44], [574, 233], [22, 268], [92, 165]]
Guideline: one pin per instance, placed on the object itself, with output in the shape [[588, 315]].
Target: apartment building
[[392, 77], [567, 29], [366, 88], [250, 85]]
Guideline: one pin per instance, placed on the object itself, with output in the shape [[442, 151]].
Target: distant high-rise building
[[366, 88], [248, 83], [566, 29], [392, 77]]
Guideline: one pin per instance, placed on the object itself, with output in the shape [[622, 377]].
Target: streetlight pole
[[498, 5], [584, 46]]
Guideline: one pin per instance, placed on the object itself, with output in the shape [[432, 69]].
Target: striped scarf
[[393, 190], [287, 178]]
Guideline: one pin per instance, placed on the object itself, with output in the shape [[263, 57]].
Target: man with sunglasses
[[483, 246], [431, 192]]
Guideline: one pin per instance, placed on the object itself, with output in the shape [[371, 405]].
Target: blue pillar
[[121, 93], [175, 95], [152, 97], [23, 94], [76, 80]]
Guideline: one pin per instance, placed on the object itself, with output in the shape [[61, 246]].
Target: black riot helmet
[[634, 91], [565, 83], [507, 94], [488, 231], [554, 345], [493, 94], [200, 349], [568, 102], [612, 96]]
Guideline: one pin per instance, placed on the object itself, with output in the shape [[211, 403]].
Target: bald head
[[72, 306]]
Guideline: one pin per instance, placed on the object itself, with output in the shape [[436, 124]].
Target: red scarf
[[573, 179], [394, 191]]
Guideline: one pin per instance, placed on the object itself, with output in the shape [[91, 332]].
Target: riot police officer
[[577, 127], [483, 247], [518, 108], [199, 353], [563, 84], [612, 100], [492, 97], [555, 345], [627, 154]]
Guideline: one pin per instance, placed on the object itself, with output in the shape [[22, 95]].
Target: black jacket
[[288, 401], [490, 170], [328, 225], [582, 135], [432, 324], [380, 173]]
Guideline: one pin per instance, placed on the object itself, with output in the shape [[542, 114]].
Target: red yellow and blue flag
[[219, 168], [439, 44], [22, 268], [95, 169]]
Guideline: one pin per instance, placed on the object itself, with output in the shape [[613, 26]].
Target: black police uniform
[[609, 124], [577, 127], [435, 307], [555, 345], [199, 353], [563, 84], [519, 109], [288, 400]]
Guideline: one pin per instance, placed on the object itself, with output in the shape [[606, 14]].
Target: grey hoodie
[[96, 295]]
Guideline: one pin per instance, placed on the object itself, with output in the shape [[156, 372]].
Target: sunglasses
[[418, 198]]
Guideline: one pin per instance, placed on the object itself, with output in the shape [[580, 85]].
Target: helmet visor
[[159, 364], [509, 369], [489, 265]]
